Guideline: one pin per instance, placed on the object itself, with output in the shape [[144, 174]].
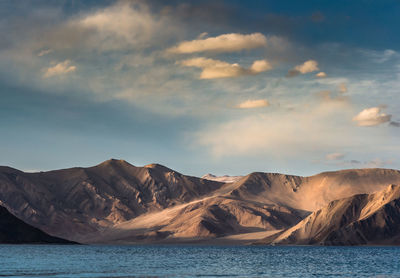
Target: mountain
[[72, 203], [357, 220], [13, 230], [225, 178], [312, 193], [201, 220], [116, 202]]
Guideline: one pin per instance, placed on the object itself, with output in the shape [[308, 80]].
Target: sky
[[222, 87]]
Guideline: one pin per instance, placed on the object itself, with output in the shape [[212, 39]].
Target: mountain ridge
[[357, 220], [115, 199]]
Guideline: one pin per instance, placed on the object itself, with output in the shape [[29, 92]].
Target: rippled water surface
[[197, 261]]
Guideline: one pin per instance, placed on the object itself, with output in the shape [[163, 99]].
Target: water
[[197, 261]]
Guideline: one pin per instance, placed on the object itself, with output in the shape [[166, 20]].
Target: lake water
[[197, 261]]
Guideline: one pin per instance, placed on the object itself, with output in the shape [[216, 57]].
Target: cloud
[[381, 56], [253, 104], [328, 96], [371, 117], [342, 88], [334, 156], [124, 25], [306, 67], [219, 69], [377, 163], [321, 74], [309, 128], [260, 66], [223, 43], [44, 52], [60, 69]]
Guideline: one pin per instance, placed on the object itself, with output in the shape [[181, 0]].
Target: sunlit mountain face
[[222, 87]]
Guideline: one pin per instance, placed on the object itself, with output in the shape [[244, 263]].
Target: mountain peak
[[113, 161]]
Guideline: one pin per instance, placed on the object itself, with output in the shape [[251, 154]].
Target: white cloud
[[223, 43], [371, 117], [59, 69], [306, 67], [260, 66], [219, 69], [334, 156], [253, 104], [321, 74]]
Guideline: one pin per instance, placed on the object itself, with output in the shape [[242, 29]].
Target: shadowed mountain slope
[[15, 231], [360, 219]]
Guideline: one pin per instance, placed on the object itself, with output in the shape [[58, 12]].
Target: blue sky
[[227, 87]]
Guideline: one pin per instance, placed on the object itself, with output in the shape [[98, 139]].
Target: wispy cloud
[[342, 88], [223, 43], [59, 69], [281, 133], [44, 52], [334, 156]]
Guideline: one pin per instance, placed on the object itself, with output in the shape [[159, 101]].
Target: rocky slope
[[357, 220], [201, 220], [73, 202], [312, 193], [118, 202], [15, 231]]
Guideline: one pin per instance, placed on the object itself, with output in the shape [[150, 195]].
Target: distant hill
[[15, 231], [224, 178]]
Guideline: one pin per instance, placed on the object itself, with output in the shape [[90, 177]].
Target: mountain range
[[116, 202]]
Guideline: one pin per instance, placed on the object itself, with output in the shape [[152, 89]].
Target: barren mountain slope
[[199, 220], [360, 219], [116, 201], [311, 193], [73, 202], [15, 231]]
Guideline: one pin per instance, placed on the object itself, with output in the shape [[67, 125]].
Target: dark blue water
[[197, 261]]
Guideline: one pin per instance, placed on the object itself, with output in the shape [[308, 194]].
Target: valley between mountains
[[118, 203]]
